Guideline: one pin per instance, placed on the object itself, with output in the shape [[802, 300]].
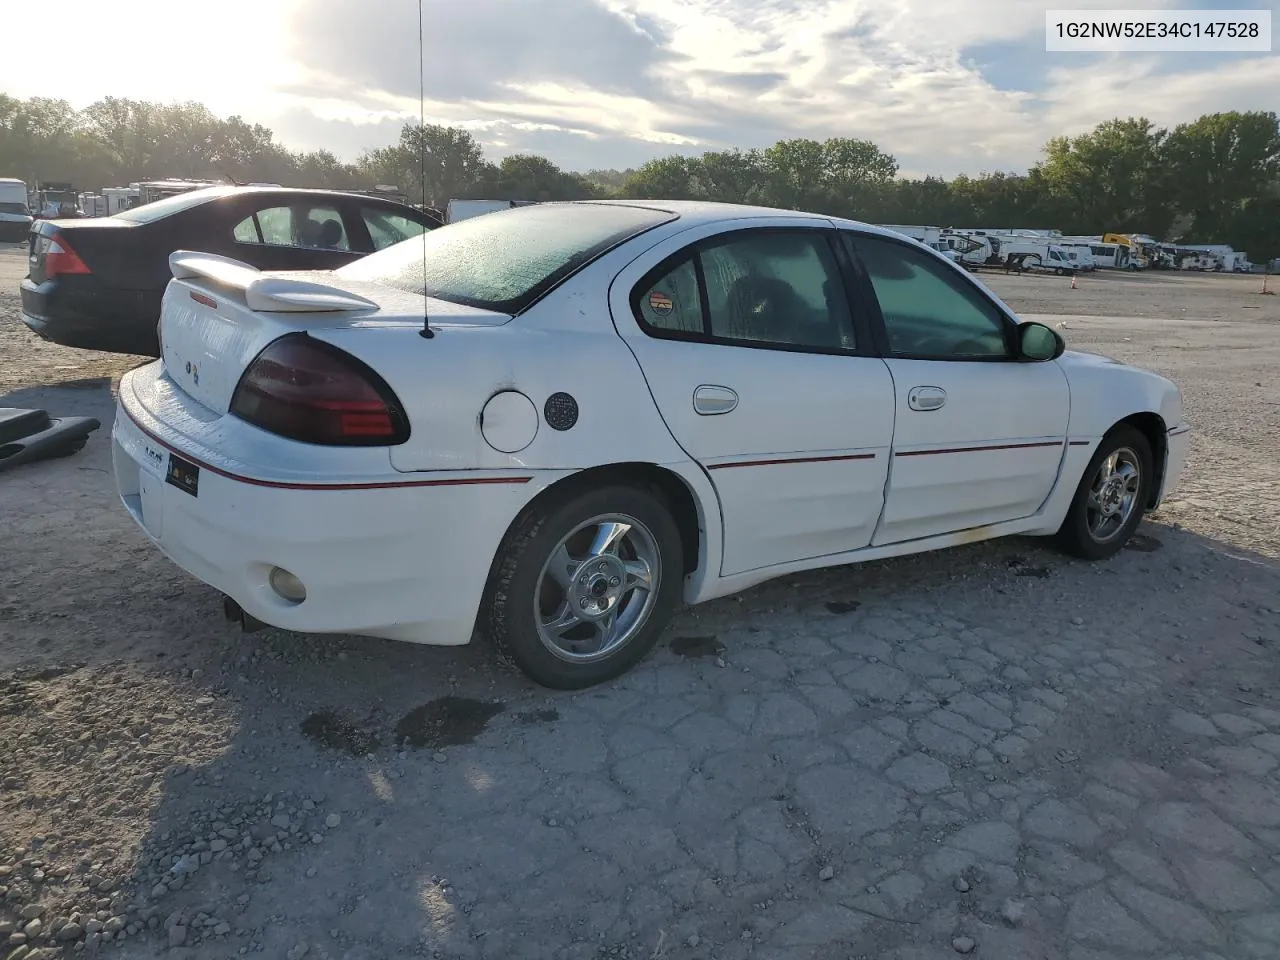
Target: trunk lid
[[218, 314], [95, 243]]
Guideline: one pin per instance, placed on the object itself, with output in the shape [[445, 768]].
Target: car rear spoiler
[[264, 293]]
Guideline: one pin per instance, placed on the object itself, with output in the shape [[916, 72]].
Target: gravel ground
[[990, 751]]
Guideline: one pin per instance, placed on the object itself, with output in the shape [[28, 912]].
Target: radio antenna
[[426, 332]]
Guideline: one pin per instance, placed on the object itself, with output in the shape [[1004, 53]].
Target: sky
[[946, 86]]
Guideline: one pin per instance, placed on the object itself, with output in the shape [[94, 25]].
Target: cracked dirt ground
[[992, 750]]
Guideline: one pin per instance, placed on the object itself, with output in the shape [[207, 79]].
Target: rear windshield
[[18, 208], [171, 205], [504, 261]]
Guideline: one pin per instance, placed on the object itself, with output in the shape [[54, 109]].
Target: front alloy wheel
[[1111, 496]]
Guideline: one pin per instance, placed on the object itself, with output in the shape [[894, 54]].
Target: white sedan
[[609, 408]]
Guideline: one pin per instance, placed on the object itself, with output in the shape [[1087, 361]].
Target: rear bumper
[[403, 559], [91, 318]]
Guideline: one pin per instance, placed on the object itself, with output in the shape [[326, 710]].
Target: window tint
[[246, 231], [318, 226], [672, 302], [762, 286], [929, 309], [777, 287], [387, 229], [504, 261]]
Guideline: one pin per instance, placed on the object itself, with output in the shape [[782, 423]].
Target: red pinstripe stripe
[[766, 463], [982, 449]]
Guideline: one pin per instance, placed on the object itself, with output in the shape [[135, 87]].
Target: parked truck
[[15, 215]]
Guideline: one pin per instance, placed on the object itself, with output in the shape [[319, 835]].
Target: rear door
[[293, 232], [979, 435], [762, 373], [386, 226]]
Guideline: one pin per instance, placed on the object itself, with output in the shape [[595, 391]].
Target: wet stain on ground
[[337, 733], [1040, 573], [1143, 543], [530, 717], [843, 606], [697, 647], [446, 722]]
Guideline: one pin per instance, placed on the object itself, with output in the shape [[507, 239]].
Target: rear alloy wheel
[[1111, 498], [584, 587]]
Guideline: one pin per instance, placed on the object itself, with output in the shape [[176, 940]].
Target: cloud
[[947, 86]]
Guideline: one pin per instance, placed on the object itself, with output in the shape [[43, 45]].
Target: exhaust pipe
[[235, 614]]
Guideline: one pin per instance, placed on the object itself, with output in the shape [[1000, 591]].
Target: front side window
[[930, 311], [761, 287]]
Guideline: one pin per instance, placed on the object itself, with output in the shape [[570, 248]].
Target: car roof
[[697, 212]]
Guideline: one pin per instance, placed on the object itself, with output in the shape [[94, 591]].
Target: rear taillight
[[307, 390], [61, 260]]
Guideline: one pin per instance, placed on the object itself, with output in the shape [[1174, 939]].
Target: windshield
[[504, 261], [171, 205]]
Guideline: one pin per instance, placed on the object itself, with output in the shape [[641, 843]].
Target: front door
[[755, 362], [979, 435]]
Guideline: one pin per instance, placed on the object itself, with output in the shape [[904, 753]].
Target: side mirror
[[1039, 343]]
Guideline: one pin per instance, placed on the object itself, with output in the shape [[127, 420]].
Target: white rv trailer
[[1035, 251], [15, 214], [119, 199], [465, 209], [1038, 253], [1234, 260], [926, 235]]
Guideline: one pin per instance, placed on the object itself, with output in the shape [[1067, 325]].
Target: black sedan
[[97, 283]]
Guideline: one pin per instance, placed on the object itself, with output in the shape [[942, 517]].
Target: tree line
[[1214, 179]]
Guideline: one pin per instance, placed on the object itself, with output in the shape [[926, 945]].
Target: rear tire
[[1111, 497], [584, 585]]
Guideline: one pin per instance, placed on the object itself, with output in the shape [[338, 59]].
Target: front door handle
[[926, 398], [710, 400]]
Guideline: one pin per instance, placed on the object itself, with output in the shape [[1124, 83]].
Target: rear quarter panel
[[445, 382]]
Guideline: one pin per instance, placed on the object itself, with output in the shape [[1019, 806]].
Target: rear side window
[[504, 261], [318, 227], [672, 302], [386, 229], [762, 288]]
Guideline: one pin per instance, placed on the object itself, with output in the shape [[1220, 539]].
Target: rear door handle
[[926, 398], [710, 400]]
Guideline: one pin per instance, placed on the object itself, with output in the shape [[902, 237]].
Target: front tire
[[1111, 498], [584, 585]]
